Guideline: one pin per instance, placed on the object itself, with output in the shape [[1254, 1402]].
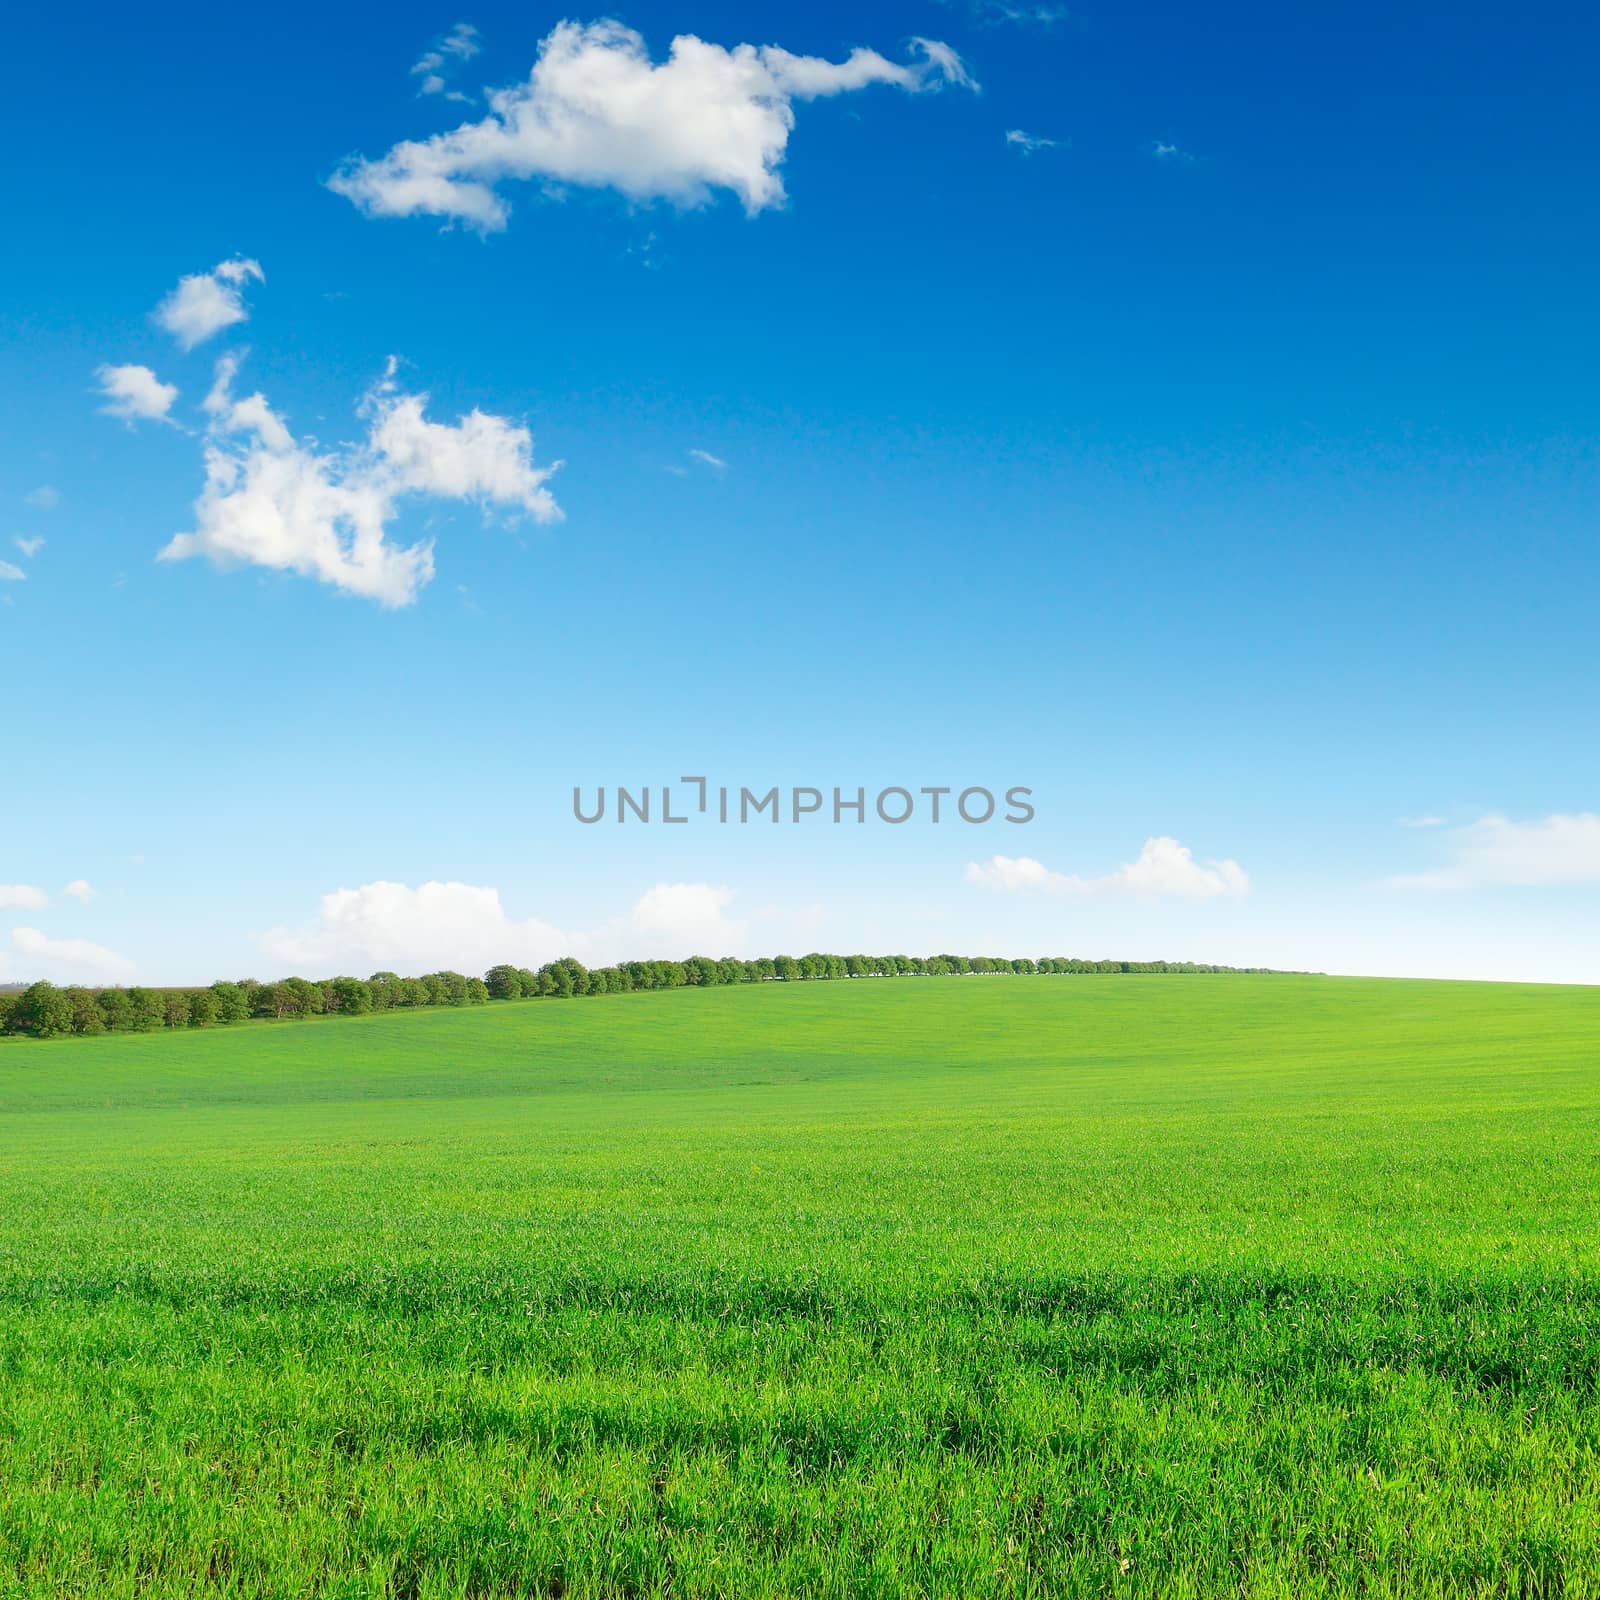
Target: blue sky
[[1222, 470]]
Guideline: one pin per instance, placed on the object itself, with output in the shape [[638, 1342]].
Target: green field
[[1058, 1286]]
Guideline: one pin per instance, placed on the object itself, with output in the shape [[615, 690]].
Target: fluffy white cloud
[[678, 919], [1165, 868], [45, 498], [135, 394], [204, 303], [1559, 849], [48, 957], [81, 890], [29, 547], [1176, 154], [274, 501], [10, 572], [597, 112], [22, 897], [464, 926], [1027, 143]]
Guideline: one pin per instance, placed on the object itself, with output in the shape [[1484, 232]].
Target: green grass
[[1168, 1286]]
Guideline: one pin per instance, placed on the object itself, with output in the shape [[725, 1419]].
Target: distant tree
[[477, 992], [204, 1008], [87, 1017], [147, 1010], [115, 1009], [232, 1003], [44, 1011], [351, 996], [702, 971], [503, 983], [175, 1008]]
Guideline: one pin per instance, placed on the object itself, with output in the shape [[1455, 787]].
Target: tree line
[[44, 1011]]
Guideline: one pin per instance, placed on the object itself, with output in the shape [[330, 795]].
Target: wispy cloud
[[1494, 852], [436, 65], [1165, 868], [45, 498], [1027, 143], [1172, 154], [1422, 822], [10, 572], [22, 897], [706, 459], [29, 547], [994, 13]]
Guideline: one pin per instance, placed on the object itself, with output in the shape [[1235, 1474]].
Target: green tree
[[147, 1010], [233, 1004], [203, 1008], [503, 983], [44, 1011], [351, 996], [87, 1017]]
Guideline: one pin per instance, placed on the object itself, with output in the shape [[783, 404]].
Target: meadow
[[1176, 1286]]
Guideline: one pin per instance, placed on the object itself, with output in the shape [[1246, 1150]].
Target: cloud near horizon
[[272, 500], [1165, 868], [465, 927], [47, 957], [22, 897], [1495, 852], [596, 112]]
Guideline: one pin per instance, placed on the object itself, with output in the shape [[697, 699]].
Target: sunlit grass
[[1054, 1286]]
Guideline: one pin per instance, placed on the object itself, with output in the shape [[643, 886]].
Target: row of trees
[[44, 1011]]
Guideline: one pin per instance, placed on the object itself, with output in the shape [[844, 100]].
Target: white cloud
[[596, 112], [1164, 868], [81, 890], [22, 897], [45, 498], [135, 394], [460, 44], [706, 459], [11, 573], [465, 927], [273, 501], [1027, 143], [1162, 151], [1496, 852], [68, 957], [29, 547], [204, 303], [678, 919]]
